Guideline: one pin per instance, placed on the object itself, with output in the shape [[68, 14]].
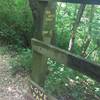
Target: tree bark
[[75, 25], [37, 12]]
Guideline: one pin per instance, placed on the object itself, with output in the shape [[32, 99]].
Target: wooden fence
[[77, 63], [68, 59], [42, 50]]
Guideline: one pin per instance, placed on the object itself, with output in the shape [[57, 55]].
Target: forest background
[[78, 22]]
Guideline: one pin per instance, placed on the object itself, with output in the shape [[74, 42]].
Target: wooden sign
[[38, 93]]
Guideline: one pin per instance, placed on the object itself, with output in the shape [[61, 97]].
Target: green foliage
[[16, 22], [66, 15], [63, 81], [64, 18], [8, 34], [3, 50], [22, 61]]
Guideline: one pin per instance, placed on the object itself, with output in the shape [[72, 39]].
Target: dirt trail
[[11, 88]]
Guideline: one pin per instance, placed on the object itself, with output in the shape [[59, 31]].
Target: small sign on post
[[38, 93]]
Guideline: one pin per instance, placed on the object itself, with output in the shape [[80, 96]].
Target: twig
[[91, 52]]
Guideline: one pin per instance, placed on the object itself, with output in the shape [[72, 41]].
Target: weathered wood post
[[40, 69]]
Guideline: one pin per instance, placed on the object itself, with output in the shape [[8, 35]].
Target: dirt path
[[11, 88]]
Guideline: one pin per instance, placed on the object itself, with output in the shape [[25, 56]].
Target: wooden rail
[[97, 2], [90, 69], [82, 1]]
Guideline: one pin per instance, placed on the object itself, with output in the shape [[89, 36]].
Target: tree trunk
[[75, 25], [37, 12], [88, 38], [48, 32], [44, 20]]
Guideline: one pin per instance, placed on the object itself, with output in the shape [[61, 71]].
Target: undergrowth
[[65, 83]]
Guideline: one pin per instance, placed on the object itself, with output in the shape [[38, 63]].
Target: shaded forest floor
[[11, 88]]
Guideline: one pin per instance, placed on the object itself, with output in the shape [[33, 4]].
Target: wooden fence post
[[39, 68]]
